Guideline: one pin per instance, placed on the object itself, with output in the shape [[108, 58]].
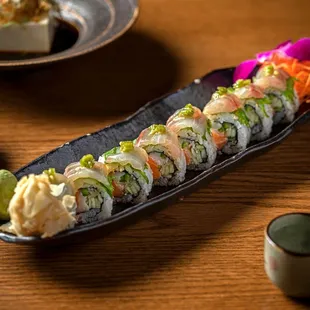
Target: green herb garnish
[[111, 152], [209, 126], [265, 100], [243, 119], [289, 91], [262, 102], [87, 161]]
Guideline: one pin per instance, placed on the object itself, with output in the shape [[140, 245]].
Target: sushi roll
[[93, 189], [166, 157], [128, 167], [257, 107], [279, 86], [191, 127], [230, 126]]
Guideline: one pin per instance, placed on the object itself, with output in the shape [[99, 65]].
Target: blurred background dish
[[84, 26]]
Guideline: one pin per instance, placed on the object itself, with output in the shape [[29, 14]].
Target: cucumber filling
[[276, 103], [230, 132], [278, 107], [289, 92], [195, 151], [254, 119], [127, 182], [165, 164], [90, 198]]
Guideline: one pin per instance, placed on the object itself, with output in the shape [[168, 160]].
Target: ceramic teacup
[[287, 253]]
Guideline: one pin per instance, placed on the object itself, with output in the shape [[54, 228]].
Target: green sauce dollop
[[158, 129], [87, 161], [221, 91], [241, 83], [126, 146], [187, 111], [269, 70]]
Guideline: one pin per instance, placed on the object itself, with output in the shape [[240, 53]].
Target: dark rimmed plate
[[157, 111], [86, 26]]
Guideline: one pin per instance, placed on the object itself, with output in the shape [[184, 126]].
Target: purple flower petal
[[299, 50], [284, 45], [244, 69], [263, 56]]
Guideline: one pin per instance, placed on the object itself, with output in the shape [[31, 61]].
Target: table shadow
[[4, 163], [301, 301], [115, 79], [129, 254]]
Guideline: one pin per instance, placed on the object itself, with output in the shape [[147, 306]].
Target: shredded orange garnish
[[295, 68]]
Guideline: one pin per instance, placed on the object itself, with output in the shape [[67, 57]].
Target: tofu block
[[30, 37]]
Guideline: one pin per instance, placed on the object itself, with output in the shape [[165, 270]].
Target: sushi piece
[[131, 174], [279, 86], [42, 205], [191, 127], [257, 107], [93, 189], [230, 126], [166, 157]]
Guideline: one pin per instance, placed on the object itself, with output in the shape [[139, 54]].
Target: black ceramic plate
[[157, 111], [84, 26]]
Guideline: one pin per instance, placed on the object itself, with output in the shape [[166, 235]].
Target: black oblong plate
[[98, 22], [157, 111]]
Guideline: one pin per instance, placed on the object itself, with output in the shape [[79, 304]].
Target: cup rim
[[275, 244]]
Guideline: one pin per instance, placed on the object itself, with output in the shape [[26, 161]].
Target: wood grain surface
[[205, 252]]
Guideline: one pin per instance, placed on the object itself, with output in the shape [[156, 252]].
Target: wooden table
[[205, 252]]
